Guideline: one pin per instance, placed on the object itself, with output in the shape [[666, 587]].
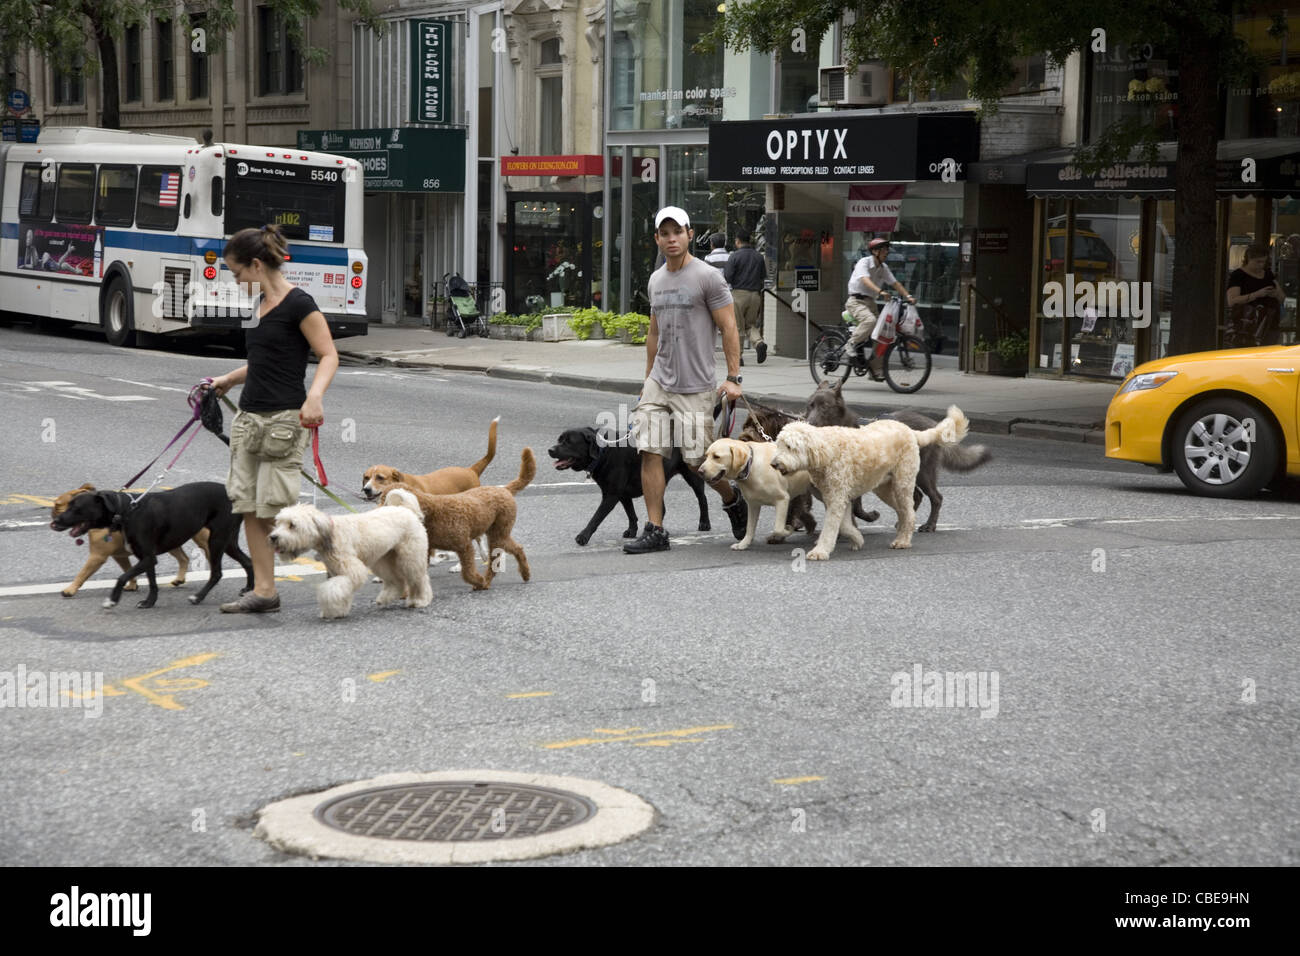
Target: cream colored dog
[[846, 462], [749, 465], [391, 541]]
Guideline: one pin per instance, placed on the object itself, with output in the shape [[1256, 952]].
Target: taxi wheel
[[1224, 448]]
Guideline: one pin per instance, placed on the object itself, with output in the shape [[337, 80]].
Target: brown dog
[[105, 544], [454, 521], [444, 481]]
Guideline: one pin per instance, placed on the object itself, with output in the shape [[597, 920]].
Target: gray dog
[[826, 407]]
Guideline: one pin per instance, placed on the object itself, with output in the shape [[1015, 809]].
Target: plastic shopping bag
[[911, 323], [886, 323]]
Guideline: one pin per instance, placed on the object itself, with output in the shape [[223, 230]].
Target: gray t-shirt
[[682, 303]]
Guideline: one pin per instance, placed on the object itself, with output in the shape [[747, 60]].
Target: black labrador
[[616, 469], [159, 522]]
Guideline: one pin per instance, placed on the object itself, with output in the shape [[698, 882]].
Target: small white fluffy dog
[[847, 462], [390, 541], [749, 465]]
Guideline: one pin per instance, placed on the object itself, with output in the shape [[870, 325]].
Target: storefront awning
[[821, 147], [1246, 167]]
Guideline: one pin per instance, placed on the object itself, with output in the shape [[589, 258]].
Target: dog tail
[[962, 458], [486, 460], [527, 472], [948, 432]]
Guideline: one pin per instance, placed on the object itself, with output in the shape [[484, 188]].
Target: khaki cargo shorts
[[665, 420], [266, 451]]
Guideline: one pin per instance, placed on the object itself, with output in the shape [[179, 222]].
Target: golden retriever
[[883, 457], [444, 481], [749, 465]]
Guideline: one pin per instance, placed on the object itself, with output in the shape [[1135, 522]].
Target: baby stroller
[[463, 316]]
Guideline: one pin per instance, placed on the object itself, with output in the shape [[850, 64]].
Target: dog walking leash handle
[[315, 453]]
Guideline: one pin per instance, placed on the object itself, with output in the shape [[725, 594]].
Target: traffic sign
[[18, 102]]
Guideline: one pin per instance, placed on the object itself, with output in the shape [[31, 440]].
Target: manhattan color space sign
[[830, 148]]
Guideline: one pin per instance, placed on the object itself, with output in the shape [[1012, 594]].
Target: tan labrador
[[749, 465]]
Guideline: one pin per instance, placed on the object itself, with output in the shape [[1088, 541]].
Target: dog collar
[[744, 472]]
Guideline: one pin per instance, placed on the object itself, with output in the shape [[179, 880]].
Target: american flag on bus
[[169, 189]]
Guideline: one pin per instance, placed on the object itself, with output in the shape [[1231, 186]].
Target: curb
[[990, 424]]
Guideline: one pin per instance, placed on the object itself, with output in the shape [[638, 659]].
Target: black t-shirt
[[277, 356], [1247, 283]]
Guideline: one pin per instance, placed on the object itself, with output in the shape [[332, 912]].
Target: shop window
[[134, 63], [1268, 103], [800, 78], [904, 87], [1030, 75], [623, 83], [1133, 81]]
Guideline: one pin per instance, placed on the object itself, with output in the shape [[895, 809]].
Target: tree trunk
[[1196, 311], [110, 112]]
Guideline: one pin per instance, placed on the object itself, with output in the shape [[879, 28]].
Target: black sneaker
[[761, 349], [738, 512], [653, 538]]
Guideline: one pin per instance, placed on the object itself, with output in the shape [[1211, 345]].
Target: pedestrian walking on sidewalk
[[746, 273], [871, 276], [689, 303], [270, 433], [718, 255]]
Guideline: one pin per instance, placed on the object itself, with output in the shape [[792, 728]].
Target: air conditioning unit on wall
[[868, 85]]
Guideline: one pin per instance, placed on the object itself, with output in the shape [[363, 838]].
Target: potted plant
[[1009, 355], [559, 280]]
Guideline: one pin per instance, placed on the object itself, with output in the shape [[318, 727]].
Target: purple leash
[[196, 407]]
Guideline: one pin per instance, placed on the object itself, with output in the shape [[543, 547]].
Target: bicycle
[[906, 363]]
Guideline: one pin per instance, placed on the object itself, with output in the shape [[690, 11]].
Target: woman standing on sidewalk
[[270, 432]]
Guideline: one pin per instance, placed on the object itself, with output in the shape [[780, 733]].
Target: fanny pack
[[268, 437]]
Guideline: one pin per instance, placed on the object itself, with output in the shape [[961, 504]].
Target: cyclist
[[871, 276]]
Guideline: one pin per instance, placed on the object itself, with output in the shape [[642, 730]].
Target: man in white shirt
[[718, 254], [871, 276]]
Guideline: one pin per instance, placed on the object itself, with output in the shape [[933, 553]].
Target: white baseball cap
[[675, 213]]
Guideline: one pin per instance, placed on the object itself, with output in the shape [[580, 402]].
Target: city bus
[[125, 230]]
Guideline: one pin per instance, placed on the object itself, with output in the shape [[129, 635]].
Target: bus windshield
[[306, 202]]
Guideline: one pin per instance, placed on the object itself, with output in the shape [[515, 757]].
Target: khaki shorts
[[665, 420], [266, 451]]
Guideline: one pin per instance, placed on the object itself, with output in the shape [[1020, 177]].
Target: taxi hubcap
[[1216, 449]]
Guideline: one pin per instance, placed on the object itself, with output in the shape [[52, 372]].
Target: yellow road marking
[[28, 500], [531, 693], [288, 577], [604, 730], [166, 701], [677, 735], [793, 780], [380, 676]]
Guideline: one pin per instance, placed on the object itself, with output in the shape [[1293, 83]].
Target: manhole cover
[[454, 816], [456, 811]]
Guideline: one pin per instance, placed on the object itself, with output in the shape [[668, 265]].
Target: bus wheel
[[116, 314]]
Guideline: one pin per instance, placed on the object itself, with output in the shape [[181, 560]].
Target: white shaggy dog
[[847, 462], [391, 541]]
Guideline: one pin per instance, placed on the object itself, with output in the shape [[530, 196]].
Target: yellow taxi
[[1225, 421]]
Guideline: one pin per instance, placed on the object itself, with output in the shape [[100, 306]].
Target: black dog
[[159, 522], [616, 469]]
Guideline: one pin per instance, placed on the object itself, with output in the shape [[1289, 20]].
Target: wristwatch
[[734, 378]]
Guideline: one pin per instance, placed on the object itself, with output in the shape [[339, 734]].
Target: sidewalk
[[1034, 408]]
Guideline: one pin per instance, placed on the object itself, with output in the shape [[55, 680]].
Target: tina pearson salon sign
[[879, 148]]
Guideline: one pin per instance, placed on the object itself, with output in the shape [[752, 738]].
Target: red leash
[[315, 453]]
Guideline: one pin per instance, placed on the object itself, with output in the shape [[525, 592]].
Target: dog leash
[[196, 415]]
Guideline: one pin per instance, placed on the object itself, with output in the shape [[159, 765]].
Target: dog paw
[[817, 554], [582, 539], [194, 598], [705, 526], [69, 592], [855, 545], [740, 546], [900, 544], [776, 538], [109, 602], [179, 583], [923, 529], [146, 603]]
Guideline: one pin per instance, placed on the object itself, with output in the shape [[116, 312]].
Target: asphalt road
[[1137, 645]]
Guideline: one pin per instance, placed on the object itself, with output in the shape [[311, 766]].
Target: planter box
[[516, 333], [990, 363], [597, 331], [555, 327]]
